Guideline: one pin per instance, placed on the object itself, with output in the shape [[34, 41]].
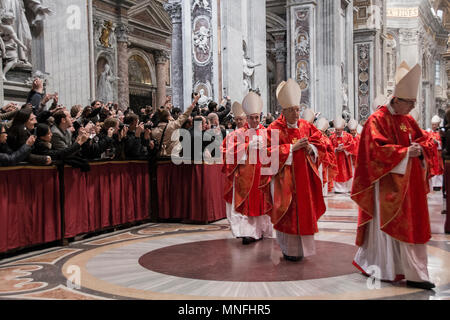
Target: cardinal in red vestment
[[344, 146], [353, 128], [293, 191], [242, 167], [390, 187], [328, 162], [437, 167]]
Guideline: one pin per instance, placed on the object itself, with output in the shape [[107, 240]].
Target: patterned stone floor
[[189, 262]]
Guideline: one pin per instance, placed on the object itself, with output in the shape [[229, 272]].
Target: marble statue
[[204, 100], [9, 43], [249, 71], [345, 95], [346, 114], [105, 91], [21, 9]]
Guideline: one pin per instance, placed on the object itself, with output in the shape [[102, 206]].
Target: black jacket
[[11, 158], [134, 147]]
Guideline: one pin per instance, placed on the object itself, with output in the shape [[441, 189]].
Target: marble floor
[[204, 262]]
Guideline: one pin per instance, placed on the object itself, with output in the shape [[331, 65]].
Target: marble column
[[280, 56], [446, 57], [161, 58], [2, 94], [122, 57], [174, 9]]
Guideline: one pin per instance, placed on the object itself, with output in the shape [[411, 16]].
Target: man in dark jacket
[[138, 140]]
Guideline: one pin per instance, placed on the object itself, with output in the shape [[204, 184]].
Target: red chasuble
[[298, 201], [356, 139], [343, 161], [437, 163], [403, 198], [329, 162], [248, 197]]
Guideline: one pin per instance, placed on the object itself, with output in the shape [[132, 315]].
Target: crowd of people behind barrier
[[42, 132]]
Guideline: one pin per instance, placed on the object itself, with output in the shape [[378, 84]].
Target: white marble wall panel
[[66, 47], [243, 20]]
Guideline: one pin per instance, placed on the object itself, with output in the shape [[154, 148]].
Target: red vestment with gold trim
[[403, 198], [246, 177], [298, 201]]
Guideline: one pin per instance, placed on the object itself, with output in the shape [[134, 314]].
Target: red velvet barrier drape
[[29, 207], [191, 192], [109, 195]]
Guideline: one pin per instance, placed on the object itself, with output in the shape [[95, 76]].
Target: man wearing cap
[[390, 188], [242, 168], [437, 167], [344, 146], [294, 190], [328, 166]]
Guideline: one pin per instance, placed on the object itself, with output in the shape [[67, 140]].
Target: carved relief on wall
[[302, 52], [363, 81], [302, 43], [302, 14], [204, 4], [302, 74], [201, 39], [202, 49]]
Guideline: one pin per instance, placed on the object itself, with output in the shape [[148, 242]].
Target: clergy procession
[[277, 178]]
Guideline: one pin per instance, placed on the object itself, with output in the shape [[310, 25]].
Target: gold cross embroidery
[[403, 127]]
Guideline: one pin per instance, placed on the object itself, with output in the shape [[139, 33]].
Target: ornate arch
[[148, 62]]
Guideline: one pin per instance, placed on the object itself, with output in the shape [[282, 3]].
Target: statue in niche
[[346, 114], [201, 39], [27, 13], [201, 4], [105, 91], [249, 71], [9, 43]]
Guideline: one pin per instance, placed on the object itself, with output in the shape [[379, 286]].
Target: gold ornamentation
[[403, 127], [106, 32]]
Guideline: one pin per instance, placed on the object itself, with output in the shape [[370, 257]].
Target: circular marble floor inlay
[[229, 260]]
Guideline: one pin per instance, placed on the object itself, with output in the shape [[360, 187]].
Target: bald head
[[213, 119]]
